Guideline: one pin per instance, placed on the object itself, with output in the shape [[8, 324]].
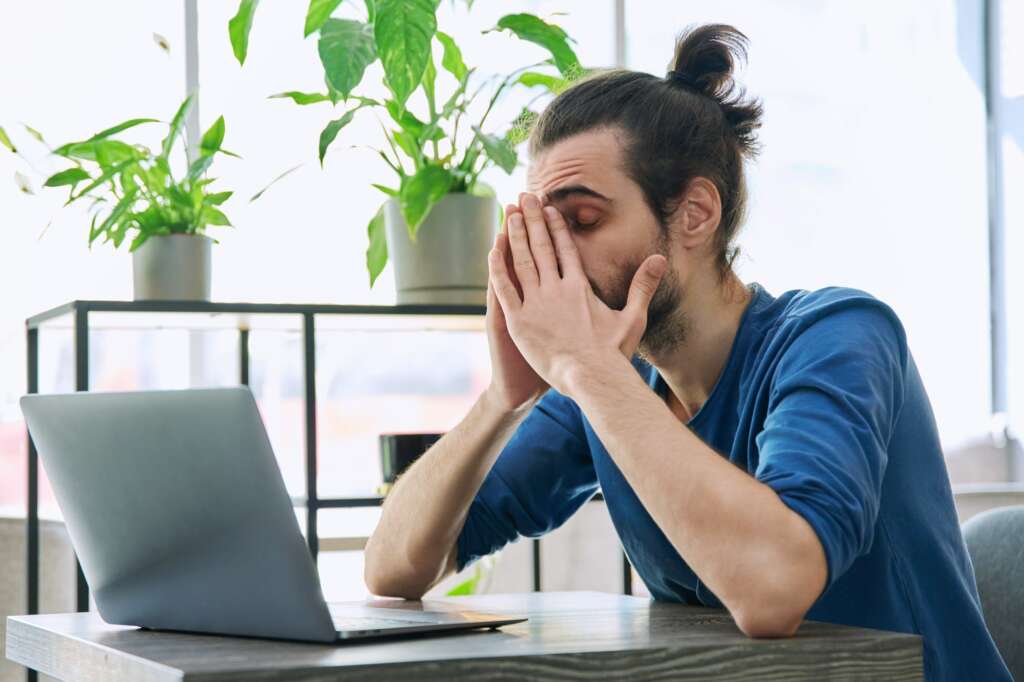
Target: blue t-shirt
[[819, 399]]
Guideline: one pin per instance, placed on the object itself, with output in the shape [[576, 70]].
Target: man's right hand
[[514, 384]]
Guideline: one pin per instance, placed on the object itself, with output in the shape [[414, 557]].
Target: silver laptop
[[180, 517]]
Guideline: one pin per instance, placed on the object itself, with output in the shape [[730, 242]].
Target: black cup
[[399, 450]]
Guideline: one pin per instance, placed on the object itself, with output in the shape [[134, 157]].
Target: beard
[[667, 323]]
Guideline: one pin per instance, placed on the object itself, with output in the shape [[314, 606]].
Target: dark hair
[[693, 122]]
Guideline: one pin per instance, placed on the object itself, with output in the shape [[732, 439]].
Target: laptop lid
[[177, 510]]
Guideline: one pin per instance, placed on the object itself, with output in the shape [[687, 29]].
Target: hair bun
[[704, 60], [682, 78]]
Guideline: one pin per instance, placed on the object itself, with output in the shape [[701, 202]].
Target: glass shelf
[[203, 315]]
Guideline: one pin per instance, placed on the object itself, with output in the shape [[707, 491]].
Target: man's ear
[[698, 214]]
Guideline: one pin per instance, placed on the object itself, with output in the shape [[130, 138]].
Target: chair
[[56, 578], [995, 541], [976, 498]]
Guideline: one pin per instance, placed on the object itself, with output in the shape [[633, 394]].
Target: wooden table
[[569, 635]]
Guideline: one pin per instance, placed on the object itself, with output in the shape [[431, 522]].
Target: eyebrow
[[569, 190]]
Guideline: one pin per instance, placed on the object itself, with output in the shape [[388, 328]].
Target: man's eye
[[580, 225]]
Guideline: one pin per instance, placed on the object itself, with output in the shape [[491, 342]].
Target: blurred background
[[892, 162]]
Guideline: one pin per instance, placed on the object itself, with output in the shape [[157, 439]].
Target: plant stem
[[504, 84]]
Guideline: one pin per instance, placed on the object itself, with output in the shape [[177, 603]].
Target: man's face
[[613, 228]]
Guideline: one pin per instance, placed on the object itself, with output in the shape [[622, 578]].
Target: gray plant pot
[[447, 264], [172, 267]]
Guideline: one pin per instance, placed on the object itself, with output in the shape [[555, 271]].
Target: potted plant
[[137, 198], [438, 220]]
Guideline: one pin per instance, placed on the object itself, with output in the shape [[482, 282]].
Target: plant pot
[[173, 267], [447, 264]]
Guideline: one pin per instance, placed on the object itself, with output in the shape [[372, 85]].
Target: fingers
[[504, 289], [542, 249], [522, 259], [565, 247], [509, 266], [645, 283]]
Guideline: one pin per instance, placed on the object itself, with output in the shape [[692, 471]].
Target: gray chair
[[56, 578], [976, 498], [995, 541]]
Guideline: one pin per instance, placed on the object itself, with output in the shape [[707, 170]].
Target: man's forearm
[[760, 558], [426, 509]]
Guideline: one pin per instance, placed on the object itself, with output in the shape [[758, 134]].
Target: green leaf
[[371, 11], [213, 137], [521, 127], [317, 14], [93, 232], [498, 150], [402, 31], [217, 198], [6, 141], [139, 240], [387, 190], [302, 98], [429, 79], [213, 216], [256, 196], [464, 588], [419, 194], [100, 151], [553, 84], [377, 252], [199, 166], [177, 125], [366, 101], [239, 27], [451, 60], [346, 48], [410, 124], [555, 40], [331, 131], [71, 176], [121, 126], [116, 213], [107, 175], [33, 132], [408, 144]]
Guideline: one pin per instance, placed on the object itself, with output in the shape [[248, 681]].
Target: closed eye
[[582, 226]]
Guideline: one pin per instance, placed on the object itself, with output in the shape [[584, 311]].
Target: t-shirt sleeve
[[836, 394], [541, 477]]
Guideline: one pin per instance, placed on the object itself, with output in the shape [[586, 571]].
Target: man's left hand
[[559, 323]]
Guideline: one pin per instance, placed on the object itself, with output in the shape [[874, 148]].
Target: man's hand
[[558, 322], [514, 383]]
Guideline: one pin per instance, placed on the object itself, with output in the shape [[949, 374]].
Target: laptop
[[177, 510]]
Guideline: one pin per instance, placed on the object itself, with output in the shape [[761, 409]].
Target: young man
[[775, 456]]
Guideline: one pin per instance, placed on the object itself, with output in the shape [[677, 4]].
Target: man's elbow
[[777, 605], [388, 586], [767, 623]]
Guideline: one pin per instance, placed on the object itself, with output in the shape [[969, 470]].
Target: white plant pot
[[173, 267], [447, 264]]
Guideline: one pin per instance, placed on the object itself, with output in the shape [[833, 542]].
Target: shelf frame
[[239, 317]]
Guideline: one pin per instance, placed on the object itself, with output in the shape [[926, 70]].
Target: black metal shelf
[[242, 318]]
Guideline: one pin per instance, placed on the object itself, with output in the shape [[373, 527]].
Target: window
[[873, 169]]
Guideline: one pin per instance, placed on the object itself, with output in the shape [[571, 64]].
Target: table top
[[568, 635]]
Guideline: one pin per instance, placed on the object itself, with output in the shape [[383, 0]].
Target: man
[[775, 456]]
